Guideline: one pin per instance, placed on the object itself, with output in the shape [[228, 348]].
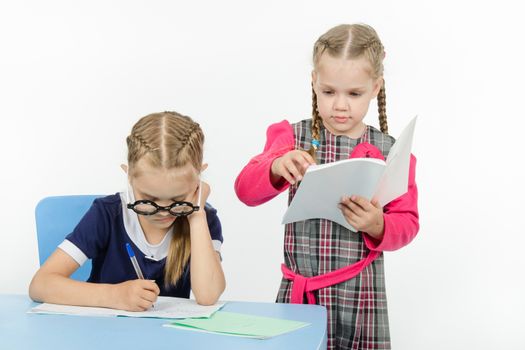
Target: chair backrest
[[56, 217]]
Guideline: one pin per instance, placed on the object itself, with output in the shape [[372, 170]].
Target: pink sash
[[302, 285]]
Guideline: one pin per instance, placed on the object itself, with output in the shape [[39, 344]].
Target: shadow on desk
[[19, 330]]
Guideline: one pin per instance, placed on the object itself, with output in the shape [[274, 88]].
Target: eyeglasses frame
[[165, 208]]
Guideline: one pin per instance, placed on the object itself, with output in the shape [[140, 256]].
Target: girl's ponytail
[[381, 107], [316, 127]]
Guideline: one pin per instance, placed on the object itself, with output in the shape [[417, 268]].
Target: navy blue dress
[[101, 236]]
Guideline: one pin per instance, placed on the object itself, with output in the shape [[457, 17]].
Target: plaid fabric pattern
[[357, 308]]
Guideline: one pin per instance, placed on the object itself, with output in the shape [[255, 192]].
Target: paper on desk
[[240, 325], [165, 307]]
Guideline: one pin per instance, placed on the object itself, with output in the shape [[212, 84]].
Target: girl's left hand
[[363, 215]]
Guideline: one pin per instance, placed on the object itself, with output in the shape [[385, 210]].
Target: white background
[[75, 76]]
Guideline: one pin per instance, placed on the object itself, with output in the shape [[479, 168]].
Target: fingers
[[355, 206], [144, 301], [347, 212], [139, 294], [362, 202], [295, 173], [286, 168], [143, 305], [149, 297], [292, 165], [363, 215], [356, 210], [149, 286], [288, 177], [308, 158], [376, 204], [303, 160], [148, 294], [350, 217]]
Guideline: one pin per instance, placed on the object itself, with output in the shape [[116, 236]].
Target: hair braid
[[141, 142], [190, 133], [316, 125], [381, 107]]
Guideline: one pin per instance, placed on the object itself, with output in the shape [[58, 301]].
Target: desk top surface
[[19, 330]]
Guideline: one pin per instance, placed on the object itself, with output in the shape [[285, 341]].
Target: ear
[[314, 78], [377, 86], [124, 167], [204, 167]]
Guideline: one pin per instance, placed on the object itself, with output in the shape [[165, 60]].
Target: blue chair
[[56, 217]]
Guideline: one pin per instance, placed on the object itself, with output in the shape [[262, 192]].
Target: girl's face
[[163, 186], [344, 89]]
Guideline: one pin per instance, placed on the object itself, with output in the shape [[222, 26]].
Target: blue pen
[[135, 264], [134, 261]]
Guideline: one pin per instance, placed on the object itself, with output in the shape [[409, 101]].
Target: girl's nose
[[340, 103], [163, 213]]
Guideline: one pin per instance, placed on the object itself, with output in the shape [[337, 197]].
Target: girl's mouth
[[340, 119], [165, 220]]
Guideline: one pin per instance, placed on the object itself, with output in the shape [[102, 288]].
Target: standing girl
[[163, 217], [326, 263]]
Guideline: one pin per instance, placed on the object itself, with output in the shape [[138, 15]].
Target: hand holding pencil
[[135, 295]]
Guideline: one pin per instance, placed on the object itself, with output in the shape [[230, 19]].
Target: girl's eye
[[328, 92], [355, 94]]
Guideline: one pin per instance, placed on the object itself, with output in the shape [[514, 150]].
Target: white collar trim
[[154, 252]]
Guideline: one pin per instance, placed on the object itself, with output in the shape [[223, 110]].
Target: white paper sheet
[[165, 307]]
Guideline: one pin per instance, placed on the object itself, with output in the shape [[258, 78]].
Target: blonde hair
[[166, 140], [351, 41]]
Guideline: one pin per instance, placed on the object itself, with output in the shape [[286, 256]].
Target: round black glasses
[[147, 207]]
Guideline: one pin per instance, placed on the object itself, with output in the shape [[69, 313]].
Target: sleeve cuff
[[372, 243], [217, 246], [73, 251]]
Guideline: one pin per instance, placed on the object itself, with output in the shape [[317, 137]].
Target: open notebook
[[323, 185], [165, 307]]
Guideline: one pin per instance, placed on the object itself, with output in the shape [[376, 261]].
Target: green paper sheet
[[230, 323]]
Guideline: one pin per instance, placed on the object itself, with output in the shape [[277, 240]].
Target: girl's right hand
[[291, 166], [135, 295]]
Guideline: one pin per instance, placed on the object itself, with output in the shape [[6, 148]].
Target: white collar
[[154, 252]]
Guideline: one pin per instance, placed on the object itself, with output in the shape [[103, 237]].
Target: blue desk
[[19, 330]]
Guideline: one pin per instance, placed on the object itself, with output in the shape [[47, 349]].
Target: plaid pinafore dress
[[357, 308]]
